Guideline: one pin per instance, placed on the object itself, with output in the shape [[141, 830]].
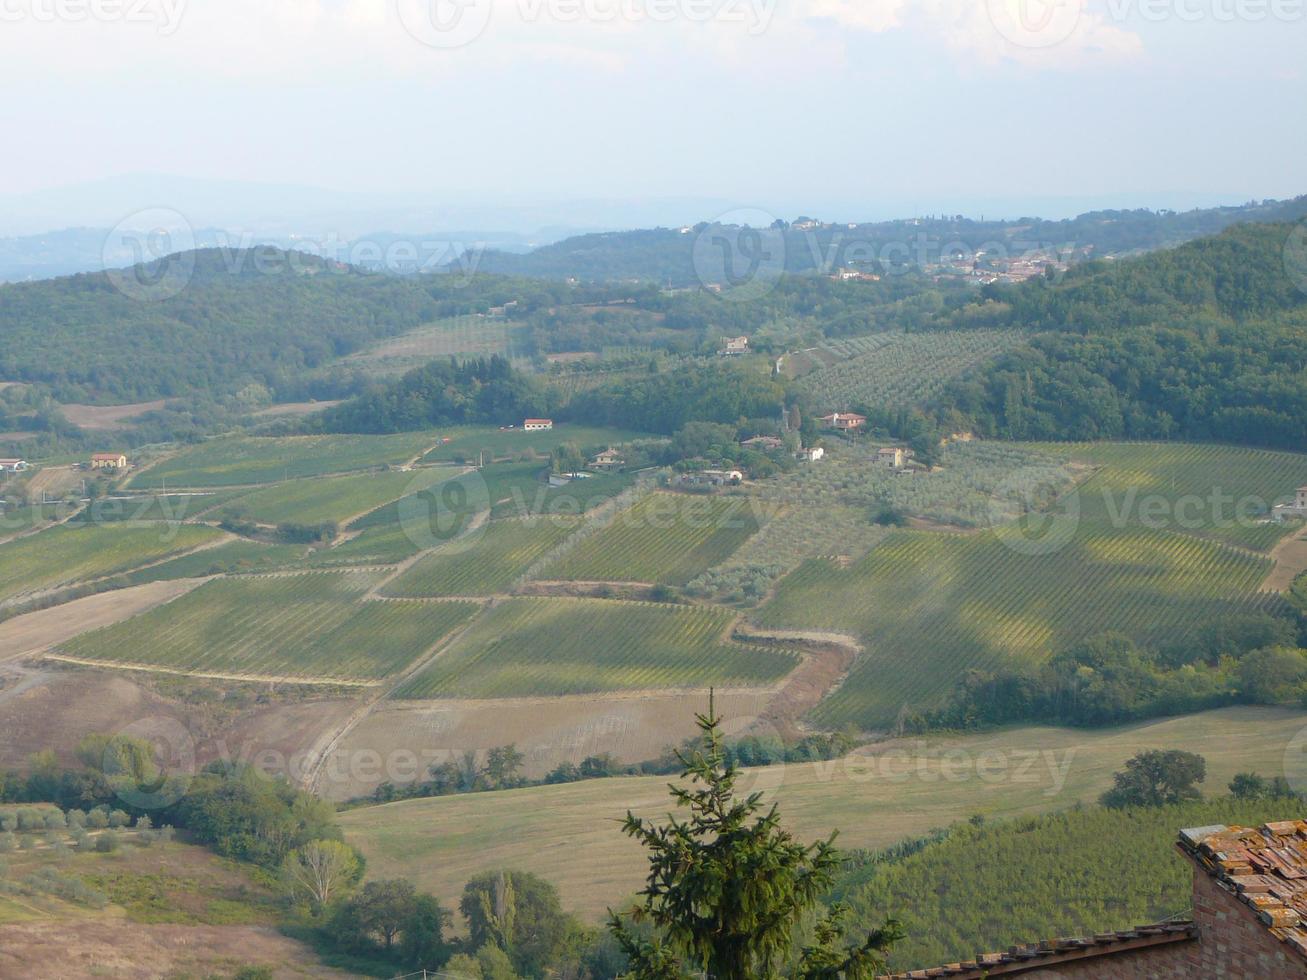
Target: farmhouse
[[735, 345], [1296, 509], [894, 457], [13, 465], [1249, 920], [810, 455], [713, 478], [843, 421], [607, 459], [108, 461], [538, 425]]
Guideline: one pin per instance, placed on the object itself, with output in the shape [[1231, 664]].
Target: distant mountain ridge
[[667, 255]]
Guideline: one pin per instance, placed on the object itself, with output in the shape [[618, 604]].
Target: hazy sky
[[748, 100]]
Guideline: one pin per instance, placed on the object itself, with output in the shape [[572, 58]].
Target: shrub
[[107, 842]]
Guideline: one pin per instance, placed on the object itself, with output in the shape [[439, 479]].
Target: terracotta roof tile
[[1048, 952], [1264, 867]]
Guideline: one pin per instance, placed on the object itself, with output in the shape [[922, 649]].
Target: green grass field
[[64, 555], [242, 460], [335, 499], [665, 538], [1221, 492], [883, 794], [310, 626], [533, 647], [483, 563], [505, 444], [930, 606], [504, 489], [461, 336]]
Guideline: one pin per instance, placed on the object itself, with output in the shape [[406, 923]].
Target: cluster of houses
[[99, 461], [1298, 508], [14, 466]]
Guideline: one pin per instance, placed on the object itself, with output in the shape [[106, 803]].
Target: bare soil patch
[[295, 409], [105, 417], [97, 948], [36, 631], [54, 481], [1290, 556], [826, 662]]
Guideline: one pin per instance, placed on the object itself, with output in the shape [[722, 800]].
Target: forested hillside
[[1204, 342]]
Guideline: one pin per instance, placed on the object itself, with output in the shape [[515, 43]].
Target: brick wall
[[1234, 943], [1174, 961]]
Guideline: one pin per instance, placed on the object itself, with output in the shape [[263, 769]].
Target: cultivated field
[[242, 460], [539, 647], [1221, 492], [664, 538], [930, 606], [107, 417], [314, 626], [337, 499], [881, 795], [484, 563], [460, 336], [506, 444], [904, 369], [63, 555]]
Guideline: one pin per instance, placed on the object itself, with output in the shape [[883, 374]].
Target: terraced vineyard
[[63, 555], [904, 369], [832, 352], [314, 626], [483, 563], [1222, 492], [540, 647], [665, 538], [233, 558], [930, 606], [336, 499], [244, 460]]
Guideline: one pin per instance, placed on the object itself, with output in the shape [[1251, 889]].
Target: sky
[[858, 105]]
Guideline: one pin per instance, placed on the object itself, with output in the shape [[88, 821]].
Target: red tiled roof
[[1051, 952], [1264, 867]]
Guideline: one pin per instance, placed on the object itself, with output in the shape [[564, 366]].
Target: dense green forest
[[666, 255], [986, 886], [1204, 342], [442, 393]]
